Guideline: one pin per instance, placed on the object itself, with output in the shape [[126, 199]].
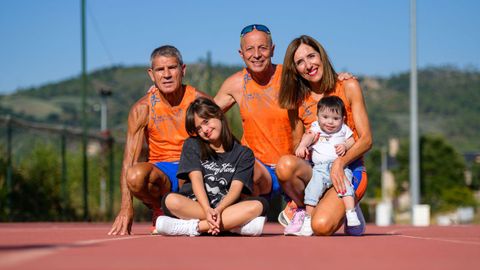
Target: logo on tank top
[[307, 109], [170, 121]]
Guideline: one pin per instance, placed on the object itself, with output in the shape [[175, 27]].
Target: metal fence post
[[63, 153], [111, 170], [9, 168]]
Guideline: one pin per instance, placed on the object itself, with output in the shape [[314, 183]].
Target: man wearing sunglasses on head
[[266, 127]]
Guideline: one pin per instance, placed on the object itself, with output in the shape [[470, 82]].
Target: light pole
[[420, 213], [414, 149]]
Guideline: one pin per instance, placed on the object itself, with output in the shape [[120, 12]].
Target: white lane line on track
[[398, 234], [12, 258], [441, 240]]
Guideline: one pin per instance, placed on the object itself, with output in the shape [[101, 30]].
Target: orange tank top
[[307, 112], [266, 127], [166, 126]]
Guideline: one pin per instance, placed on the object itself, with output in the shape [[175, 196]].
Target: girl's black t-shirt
[[218, 173]]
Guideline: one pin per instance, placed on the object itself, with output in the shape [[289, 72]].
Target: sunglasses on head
[[249, 28]]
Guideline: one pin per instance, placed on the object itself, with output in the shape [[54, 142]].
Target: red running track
[[87, 246]]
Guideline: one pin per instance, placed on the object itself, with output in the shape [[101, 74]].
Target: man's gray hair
[[167, 50]]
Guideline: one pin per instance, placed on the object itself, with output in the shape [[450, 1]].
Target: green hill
[[449, 101]]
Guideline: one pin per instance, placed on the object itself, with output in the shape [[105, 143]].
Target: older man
[[159, 118]]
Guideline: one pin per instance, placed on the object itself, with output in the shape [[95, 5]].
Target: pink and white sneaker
[[296, 224]]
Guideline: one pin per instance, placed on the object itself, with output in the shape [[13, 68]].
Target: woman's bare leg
[[328, 216]]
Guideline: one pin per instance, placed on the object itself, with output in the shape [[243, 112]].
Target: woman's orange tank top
[[307, 112]]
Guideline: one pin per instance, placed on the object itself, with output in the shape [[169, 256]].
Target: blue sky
[[40, 40]]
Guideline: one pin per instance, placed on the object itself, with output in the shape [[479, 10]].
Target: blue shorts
[[358, 170], [170, 170], [275, 184]]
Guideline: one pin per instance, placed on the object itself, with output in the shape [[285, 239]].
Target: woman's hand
[[338, 176]]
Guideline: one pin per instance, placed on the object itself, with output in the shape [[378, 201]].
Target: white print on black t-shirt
[[216, 188], [217, 172], [212, 166]]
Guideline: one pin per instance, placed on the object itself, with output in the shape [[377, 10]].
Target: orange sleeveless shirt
[[307, 112], [266, 127], [166, 126]]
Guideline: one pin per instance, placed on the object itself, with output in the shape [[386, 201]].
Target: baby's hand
[[301, 152], [340, 149]]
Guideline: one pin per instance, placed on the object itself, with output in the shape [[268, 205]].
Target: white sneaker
[[306, 229], [356, 230], [174, 226], [352, 218], [252, 228]]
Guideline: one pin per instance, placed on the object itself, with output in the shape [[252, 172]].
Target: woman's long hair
[[207, 109], [294, 88]]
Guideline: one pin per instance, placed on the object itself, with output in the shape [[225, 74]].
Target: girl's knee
[[258, 206], [171, 201]]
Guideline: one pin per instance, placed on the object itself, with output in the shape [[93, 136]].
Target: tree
[[442, 182], [373, 161], [475, 176]]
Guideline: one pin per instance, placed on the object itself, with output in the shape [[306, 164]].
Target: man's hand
[[151, 89], [343, 76], [123, 222]]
